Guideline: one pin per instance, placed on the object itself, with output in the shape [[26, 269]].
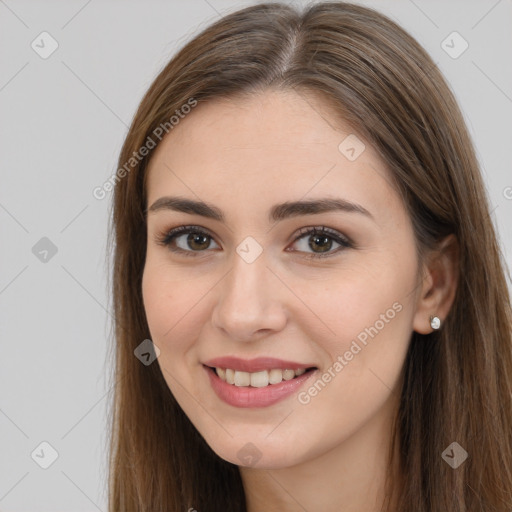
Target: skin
[[244, 155]]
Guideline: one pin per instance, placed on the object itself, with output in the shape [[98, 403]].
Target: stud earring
[[435, 322]]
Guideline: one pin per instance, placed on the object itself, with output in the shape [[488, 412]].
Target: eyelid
[[166, 237], [342, 240], [333, 233]]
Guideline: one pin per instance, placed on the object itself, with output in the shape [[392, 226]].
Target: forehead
[[265, 148]]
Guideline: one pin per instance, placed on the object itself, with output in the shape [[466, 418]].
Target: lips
[[256, 365], [239, 391], [256, 397]]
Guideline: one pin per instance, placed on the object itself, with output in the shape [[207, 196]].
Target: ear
[[439, 284]]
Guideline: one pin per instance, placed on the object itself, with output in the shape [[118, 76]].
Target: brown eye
[[314, 242], [320, 241], [197, 241], [324, 243], [186, 240]]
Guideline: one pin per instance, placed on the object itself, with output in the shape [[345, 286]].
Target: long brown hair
[[457, 381]]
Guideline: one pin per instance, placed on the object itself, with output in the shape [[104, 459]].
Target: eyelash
[[166, 238]]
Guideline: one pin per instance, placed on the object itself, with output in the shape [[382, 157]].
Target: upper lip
[[255, 365]]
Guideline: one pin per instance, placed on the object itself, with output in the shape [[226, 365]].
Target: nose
[[250, 301]]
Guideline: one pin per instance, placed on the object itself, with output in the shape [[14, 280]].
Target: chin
[[258, 452]]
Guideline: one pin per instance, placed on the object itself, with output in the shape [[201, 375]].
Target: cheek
[[160, 296], [170, 299], [367, 314], [173, 323], [166, 304], [356, 302], [175, 303], [371, 314]]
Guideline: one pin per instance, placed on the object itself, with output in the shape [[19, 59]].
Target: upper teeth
[[257, 379]]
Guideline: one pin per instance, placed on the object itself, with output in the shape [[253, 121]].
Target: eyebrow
[[277, 213]]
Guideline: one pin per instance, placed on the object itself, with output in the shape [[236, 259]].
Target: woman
[[311, 306]]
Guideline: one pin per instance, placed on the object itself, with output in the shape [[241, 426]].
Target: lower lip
[[246, 396]]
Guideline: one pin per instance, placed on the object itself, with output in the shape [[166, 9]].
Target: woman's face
[[256, 286]]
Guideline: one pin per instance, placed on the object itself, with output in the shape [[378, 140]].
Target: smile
[[257, 379], [256, 389]]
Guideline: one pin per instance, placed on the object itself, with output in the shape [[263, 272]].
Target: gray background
[[63, 120]]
